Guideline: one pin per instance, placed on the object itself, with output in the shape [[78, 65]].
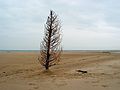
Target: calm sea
[[104, 51], [19, 50]]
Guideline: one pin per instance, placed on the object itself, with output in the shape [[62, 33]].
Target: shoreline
[[104, 51]]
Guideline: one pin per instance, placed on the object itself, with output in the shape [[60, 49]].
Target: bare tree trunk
[[48, 47]]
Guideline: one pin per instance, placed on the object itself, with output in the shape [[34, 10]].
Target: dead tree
[[50, 48]]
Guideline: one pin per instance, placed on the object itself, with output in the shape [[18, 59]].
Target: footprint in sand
[[61, 83], [104, 85], [34, 85], [31, 83]]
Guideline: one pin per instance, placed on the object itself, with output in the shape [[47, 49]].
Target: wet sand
[[22, 71]]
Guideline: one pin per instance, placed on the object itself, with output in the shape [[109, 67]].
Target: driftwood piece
[[81, 71]]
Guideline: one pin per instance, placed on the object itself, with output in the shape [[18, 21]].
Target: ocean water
[[19, 51], [104, 51]]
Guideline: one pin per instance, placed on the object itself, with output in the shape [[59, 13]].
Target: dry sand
[[22, 71]]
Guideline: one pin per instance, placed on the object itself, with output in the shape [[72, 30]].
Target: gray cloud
[[84, 22]]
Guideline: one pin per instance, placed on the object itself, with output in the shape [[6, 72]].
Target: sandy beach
[[22, 71]]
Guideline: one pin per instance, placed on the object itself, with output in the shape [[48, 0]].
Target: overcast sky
[[86, 24]]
